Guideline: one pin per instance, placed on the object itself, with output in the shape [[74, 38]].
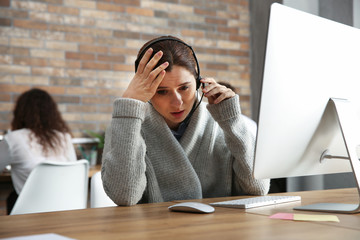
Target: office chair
[[54, 186], [98, 197]]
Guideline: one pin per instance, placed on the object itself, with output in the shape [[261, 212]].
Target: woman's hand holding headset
[[144, 84], [215, 92]]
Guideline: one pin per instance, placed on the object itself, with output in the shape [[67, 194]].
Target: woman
[[38, 133], [163, 145]]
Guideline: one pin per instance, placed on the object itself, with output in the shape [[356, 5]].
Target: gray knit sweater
[[143, 162]]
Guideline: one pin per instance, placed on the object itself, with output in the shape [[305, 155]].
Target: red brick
[[79, 38], [245, 46], [48, 71], [5, 22], [128, 2], [104, 117], [192, 33], [97, 66], [30, 61], [125, 51], [52, 1], [79, 56], [58, 81], [239, 53], [5, 3], [96, 32], [81, 91], [244, 3], [5, 59], [110, 7], [232, 30], [244, 61], [52, 89], [81, 108], [140, 11], [66, 99], [213, 51], [102, 83], [109, 58], [111, 92], [12, 13], [59, 63], [105, 108], [29, 24], [207, 12], [238, 38], [64, 28], [124, 67], [14, 51], [5, 97], [14, 69], [29, 80], [13, 88], [216, 21], [63, 10], [93, 48], [125, 34], [96, 100], [217, 66]]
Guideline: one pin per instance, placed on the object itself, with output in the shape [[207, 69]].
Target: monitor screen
[[308, 60]]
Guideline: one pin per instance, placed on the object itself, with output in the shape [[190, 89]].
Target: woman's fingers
[[144, 60], [152, 63], [215, 92], [158, 79]]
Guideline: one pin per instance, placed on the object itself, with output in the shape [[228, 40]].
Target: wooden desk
[[154, 221]]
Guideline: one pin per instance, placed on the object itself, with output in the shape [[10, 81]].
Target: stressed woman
[[163, 144]]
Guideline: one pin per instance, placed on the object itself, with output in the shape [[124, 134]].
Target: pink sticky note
[[285, 216]]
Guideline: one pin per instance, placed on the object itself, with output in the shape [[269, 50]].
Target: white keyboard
[[256, 201]]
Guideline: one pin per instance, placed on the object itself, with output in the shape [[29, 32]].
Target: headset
[[169, 38]]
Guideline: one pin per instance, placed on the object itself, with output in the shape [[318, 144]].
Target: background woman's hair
[[175, 53], [36, 110]]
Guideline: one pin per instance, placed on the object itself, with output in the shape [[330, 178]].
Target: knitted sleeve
[[240, 140], [123, 163]]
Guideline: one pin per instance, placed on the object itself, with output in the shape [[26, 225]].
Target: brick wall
[[82, 51]]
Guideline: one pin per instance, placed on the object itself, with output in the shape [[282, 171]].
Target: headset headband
[[169, 38]]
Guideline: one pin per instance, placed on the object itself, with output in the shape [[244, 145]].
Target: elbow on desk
[[125, 200], [123, 195]]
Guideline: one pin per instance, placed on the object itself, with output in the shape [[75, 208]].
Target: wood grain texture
[[155, 221]]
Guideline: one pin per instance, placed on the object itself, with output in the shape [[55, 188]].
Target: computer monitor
[[311, 65]]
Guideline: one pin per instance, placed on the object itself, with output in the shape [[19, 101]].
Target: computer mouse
[[193, 207]]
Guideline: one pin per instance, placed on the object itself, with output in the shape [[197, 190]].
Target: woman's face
[[175, 96]]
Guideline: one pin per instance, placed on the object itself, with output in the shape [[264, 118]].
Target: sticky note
[[305, 217], [285, 216], [322, 218]]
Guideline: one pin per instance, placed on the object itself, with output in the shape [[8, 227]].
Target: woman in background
[[38, 133]]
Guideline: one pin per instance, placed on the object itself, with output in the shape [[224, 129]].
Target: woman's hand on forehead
[[144, 84]]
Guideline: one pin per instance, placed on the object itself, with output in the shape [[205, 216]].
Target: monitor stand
[[344, 115]]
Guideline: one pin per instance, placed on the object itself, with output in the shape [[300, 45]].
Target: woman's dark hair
[[36, 110], [175, 53]]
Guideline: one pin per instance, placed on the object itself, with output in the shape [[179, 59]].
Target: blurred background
[[82, 51]]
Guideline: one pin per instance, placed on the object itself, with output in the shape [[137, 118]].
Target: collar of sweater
[[171, 160]]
